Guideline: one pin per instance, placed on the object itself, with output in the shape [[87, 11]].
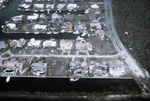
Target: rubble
[[98, 69], [116, 69], [56, 16], [66, 45], [93, 16], [78, 68], [95, 26], [17, 43], [79, 28], [83, 46], [99, 33]]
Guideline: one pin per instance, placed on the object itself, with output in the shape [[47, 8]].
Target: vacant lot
[[132, 16]]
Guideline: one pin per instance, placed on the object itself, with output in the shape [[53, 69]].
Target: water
[[60, 85], [55, 84]]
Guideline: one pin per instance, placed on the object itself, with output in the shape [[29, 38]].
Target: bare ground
[[132, 16]]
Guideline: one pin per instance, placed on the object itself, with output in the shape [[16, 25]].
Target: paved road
[[117, 43], [62, 56]]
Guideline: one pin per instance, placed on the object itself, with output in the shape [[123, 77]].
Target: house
[[88, 46], [34, 43], [2, 1], [11, 26], [80, 45], [39, 6], [93, 16], [66, 27], [60, 6], [49, 43], [94, 6], [38, 27], [98, 71], [28, 1], [117, 71], [56, 16], [83, 46], [64, 0], [72, 6], [73, 65], [22, 42], [17, 18], [95, 26], [17, 43], [33, 17], [78, 68], [81, 18], [99, 33], [84, 67], [54, 27], [66, 45], [50, 6], [2, 45], [79, 27], [1, 61], [91, 68], [78, 72], [69, 17], [83, 64], [116, 68], [43, 16], [11, 66], [13, 43], [25, 6], [38, 68]]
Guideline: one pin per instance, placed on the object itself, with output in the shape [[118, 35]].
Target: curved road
[[136, 70]]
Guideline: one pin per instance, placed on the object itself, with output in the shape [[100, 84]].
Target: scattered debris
[[126, 33]]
